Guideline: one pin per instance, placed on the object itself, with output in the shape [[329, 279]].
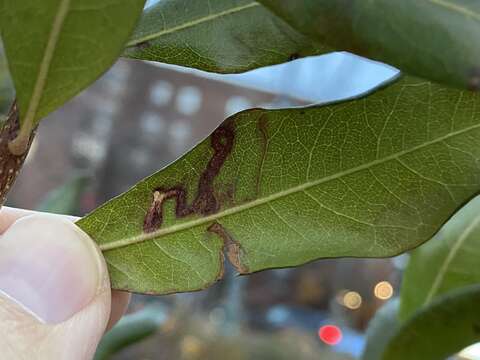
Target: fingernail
[[49, 266]]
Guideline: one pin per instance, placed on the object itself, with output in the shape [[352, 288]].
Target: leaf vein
[[192, 23], [261, 201]]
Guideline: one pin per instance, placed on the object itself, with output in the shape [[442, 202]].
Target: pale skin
[[72, 331]]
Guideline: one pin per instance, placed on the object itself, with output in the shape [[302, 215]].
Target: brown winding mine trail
[[205, 202]]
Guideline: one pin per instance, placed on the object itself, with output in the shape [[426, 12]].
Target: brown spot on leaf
[[262, 128], [231, 247], [153, 219], [143, 45], [221, 141], [293, 56], [205, 202]]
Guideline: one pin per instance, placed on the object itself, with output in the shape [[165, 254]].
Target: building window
[[161, 93], [189, 100], [151, 124], [180, 134]]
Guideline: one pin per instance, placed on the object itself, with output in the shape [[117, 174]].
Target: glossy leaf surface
[[435, 290], [447, 262], [449, 324], [434, 39]]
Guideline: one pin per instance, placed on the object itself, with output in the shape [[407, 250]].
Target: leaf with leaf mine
[[369, 177]]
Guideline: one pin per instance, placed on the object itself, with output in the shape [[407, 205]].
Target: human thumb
[[54, 291]]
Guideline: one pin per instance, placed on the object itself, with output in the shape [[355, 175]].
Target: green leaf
[[65, 199], [435, 290], [131, 329], [56, 48], [369, 177], [448, 261], [6, 89], [449, 324], [225, 36], [381, 329], [435, 39]]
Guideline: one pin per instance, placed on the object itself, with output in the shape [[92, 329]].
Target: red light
[[330, 334]]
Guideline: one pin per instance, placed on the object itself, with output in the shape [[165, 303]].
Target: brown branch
[[10, 164]]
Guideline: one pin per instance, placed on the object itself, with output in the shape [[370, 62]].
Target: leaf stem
[[20, 144], [11, 162]]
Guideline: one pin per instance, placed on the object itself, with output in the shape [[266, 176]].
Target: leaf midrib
[[448, 260], [44, 68], [457, 8], [260, 201], [192, 23]]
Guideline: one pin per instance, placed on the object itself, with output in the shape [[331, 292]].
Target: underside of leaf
[[369, 177], [219, 36], [411, 35], [56, 48]]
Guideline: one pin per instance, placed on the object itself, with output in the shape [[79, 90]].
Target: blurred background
[[141, 116]]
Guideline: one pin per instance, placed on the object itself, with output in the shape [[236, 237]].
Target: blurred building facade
[[133, 121]]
